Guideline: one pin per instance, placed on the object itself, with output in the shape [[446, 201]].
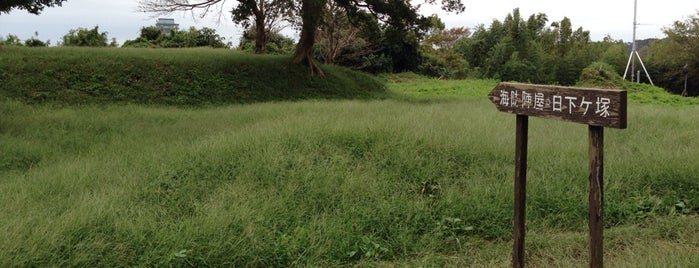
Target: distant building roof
[[166, 24]]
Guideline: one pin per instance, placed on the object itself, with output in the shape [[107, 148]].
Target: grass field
[[421, 177], [334, 183]]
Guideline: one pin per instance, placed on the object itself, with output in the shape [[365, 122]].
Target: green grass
[[333, 183], [416, 87], [411, 86], [420, 177], [76, 75], [647, 94]]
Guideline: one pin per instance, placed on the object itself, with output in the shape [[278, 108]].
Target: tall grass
[[78, 75], [421, 179], [333, 183]]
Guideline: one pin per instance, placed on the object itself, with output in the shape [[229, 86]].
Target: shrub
[[83, 37], [600, 74]]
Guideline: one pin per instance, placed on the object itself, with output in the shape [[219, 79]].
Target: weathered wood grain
[[521, 143], [596, 195], [595, 107]]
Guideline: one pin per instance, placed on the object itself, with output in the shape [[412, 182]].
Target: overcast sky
[[122, 21]]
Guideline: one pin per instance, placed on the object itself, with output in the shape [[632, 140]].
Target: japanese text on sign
[[591, 106], [539, 101]]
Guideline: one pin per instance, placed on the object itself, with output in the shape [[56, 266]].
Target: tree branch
[[170, 6]]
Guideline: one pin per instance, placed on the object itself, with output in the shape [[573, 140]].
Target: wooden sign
[[595, 107]]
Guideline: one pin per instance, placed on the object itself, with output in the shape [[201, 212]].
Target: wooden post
[[597, 108], [596, 195], [520, 189]]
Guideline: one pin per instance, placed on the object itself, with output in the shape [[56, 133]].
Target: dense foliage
[[675, 59], [13, 40], [391, 36], [31, 6], [263, 16], [439, 58], [83, 37], [154, 37], [394, 28], [10, 40], [533, 50], [515, 49], [600, 75], [275, 42]]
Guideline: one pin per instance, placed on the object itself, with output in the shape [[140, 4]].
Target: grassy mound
[[178, 76], [602, 75]]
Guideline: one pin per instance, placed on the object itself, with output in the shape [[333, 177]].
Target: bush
[[10, 40], [33, 42], [601, 75], [83, 37], [443, 64], [153, 37], [275, 42]]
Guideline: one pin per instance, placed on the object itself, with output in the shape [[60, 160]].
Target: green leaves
[[83, 37], [153, 37], [31, 6]]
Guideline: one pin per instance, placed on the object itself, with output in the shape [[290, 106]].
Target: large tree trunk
[[311, 14], [304, 52], [261, 34]]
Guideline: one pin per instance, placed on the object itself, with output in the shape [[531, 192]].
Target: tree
[[532, 51], [35, 42], [10, 40], [311, 17], [439, 57], [31, 6], [275, 42], [336, 33], [264, 13], [83, 37], [149, 38], [399, 16], [508, 50], [402, 24], [153, 37], [675, 58], [612, 52]]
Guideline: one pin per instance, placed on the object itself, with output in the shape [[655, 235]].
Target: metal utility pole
[[634, 51]]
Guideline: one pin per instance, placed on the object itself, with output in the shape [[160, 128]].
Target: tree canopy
[[83, 37], [399, 18], [31, 6], [675, 58], [154, 37], [400, 21], [263, 14], [533, 50]]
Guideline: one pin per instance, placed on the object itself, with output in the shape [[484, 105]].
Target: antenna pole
[[634, 50], [633, 44]]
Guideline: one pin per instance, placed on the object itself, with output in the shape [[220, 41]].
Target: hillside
[[641, 45], [164, 76]]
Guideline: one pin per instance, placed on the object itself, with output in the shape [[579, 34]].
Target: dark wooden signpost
[[598, 108]]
